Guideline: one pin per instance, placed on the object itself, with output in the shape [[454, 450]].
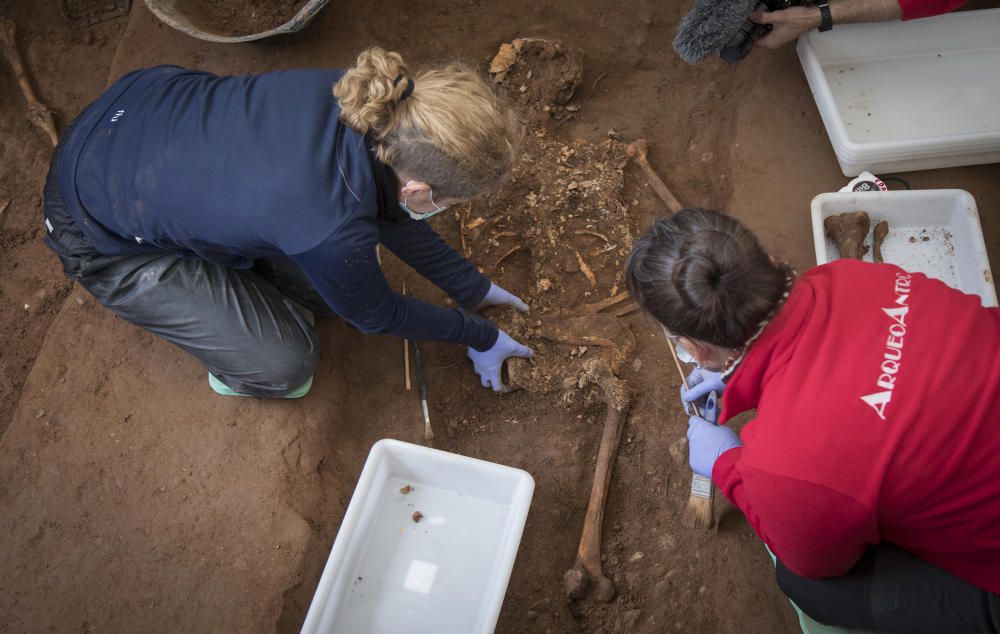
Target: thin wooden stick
[[406, 361], [680, 372]]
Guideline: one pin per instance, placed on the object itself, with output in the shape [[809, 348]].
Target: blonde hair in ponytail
[[451, 132]]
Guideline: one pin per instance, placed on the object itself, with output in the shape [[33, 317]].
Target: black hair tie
[[409, 87]]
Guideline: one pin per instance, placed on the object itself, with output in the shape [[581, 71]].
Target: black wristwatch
[[826, 19]]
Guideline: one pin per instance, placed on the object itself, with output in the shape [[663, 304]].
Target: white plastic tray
[[935, 232], [899, 96], [445, 574]]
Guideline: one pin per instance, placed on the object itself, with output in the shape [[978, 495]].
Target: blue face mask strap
[[437, 208]]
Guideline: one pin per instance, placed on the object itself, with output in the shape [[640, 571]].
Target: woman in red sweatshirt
[[872, 467]]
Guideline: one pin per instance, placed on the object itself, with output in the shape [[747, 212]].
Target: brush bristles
[[699, 512]]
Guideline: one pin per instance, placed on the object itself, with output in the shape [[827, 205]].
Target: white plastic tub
[[447, 573], [900, 96], [935, 232]]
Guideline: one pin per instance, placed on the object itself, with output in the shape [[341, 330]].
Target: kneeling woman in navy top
[[220, 212]]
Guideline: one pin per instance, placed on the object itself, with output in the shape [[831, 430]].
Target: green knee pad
[[221, 388]]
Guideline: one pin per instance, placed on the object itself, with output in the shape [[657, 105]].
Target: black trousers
[[243, 325], [890, 590]]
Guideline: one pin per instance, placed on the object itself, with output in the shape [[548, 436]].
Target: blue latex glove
[[488, 364], [706, 440], [497, 296], [701, 383]]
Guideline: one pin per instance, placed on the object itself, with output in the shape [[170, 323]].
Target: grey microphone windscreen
[[708, 26]]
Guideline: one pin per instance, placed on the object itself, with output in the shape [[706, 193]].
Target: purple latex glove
[[497, 296], [706, 440], [701, 383], [489, 364]]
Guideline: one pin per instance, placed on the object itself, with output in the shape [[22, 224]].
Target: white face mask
[[684, 355], [416, 215]]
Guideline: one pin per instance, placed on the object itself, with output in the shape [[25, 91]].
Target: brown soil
[[245, 17], [539, 75], [848, 231], [68, 67], [84, 12], [134, 499]]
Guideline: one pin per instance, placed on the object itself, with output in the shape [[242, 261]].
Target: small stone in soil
[[678, 450]]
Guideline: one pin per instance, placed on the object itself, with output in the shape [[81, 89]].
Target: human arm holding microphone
[[788, 24]]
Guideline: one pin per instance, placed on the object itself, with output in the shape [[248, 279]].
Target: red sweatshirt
[[878, 418], [913, 9]]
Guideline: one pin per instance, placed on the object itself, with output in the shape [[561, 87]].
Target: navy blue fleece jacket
[[231, 169]]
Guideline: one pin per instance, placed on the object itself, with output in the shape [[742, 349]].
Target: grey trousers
[[243, 325], [889, 590]]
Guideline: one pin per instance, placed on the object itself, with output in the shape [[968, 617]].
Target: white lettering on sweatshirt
[[892, 356]]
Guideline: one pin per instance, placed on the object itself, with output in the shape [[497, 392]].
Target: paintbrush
[[418, 370], [406, 352], [700, 512]]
